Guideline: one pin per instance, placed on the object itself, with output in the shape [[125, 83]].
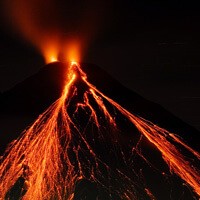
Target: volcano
[[94, 139]]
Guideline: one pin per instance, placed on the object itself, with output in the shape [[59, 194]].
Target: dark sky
[[151, 47]]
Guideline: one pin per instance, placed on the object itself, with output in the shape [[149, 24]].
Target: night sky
[[151, 47]]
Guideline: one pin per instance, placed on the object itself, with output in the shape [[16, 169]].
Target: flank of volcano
[[85, 136]]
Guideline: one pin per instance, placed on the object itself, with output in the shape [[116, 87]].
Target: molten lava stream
[[158, 136], [53, 154]]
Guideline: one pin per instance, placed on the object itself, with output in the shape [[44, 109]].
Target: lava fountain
[[51, 156]]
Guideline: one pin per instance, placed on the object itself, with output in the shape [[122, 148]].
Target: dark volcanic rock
[[23, 103]]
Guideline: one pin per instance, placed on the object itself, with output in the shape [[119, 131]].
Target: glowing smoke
[[56, 28]]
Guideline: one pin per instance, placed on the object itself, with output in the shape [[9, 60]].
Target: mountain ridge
[[35, 94]]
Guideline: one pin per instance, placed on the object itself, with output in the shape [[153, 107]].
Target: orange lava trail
[[42, 155], [93, 113], [39, 149], [150, 194], [158, 136], [104, 109]]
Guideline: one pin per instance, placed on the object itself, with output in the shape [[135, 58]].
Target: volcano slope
[[105, 154]]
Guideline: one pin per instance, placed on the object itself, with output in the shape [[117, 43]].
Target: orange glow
[[74, 63], [53, 59], [50, 51], [42, 34], [65, 28], [72, 49], [42, 155]]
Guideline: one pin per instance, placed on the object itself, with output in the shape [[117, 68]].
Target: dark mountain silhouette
[[23, 103], [32, 96]]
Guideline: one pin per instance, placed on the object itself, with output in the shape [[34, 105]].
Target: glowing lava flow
[[158, 137], [53, 154], [36, 157]]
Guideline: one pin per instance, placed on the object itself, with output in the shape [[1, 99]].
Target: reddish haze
[[56, 28]]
